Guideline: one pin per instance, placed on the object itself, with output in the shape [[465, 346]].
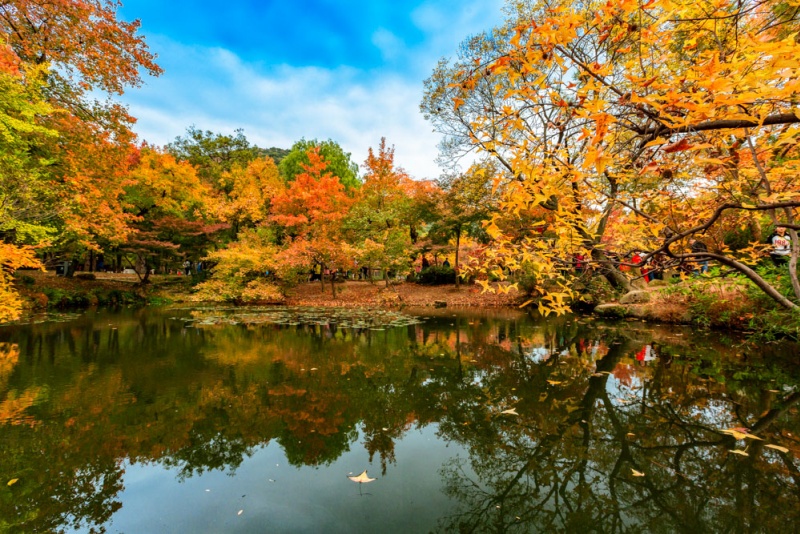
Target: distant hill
[[275, 153]]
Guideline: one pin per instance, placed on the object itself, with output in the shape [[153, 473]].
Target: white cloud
[[389, 44], [214, 89]]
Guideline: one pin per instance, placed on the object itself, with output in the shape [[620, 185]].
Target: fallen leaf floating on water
[[636, 473], [13, 481], [777, 447], [736, 433], [362, 478], [240, 512], [511, 411], [553, 382], [740, 433], [740, 452]]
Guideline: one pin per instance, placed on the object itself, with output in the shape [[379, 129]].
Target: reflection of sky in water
[[714, 412], [538, 354], [623, 394], [274, 496]]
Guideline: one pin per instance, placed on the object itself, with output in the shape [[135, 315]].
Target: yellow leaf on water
[[553, 382], [740, 452], [362, 478], [738, 433], [13, 481], [511, 411], [777, 447], [636, 473]]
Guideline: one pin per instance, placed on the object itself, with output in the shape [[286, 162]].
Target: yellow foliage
[[635, 127], [13, 257]]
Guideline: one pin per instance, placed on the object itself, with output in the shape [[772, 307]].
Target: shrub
[[27, 280], [55, 297], [436, 276], [86, 276], [528, 278]]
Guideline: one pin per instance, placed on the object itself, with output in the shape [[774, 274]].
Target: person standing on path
[[697, 248], [781, 246]]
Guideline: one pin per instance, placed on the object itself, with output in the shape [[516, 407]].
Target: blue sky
[[346, 70]]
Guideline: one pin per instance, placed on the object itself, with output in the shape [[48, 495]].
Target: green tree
[[339, 162], [213, 153], [468, 200], [378, 224]]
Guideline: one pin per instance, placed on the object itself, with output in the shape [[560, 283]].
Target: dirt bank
[[43, 289], [361, 293]]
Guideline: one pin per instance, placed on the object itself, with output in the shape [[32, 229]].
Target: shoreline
[[720, 309]]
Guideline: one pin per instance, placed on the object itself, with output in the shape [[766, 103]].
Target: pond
[[264, 420]]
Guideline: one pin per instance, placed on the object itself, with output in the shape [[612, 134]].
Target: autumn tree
[[244, 193], [379, 222], [26, 202], [241, 270], [166, 201], [63, 149], [309, 213], [675, 118]]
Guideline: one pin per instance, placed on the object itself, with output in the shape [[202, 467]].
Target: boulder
[[612, 310], [635, 297]]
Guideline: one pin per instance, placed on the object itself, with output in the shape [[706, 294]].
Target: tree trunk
[[612, 274], [458, 245], [69, 272], [146, 278], [135, 270], [762, 284], [793, 254], [793, 263]]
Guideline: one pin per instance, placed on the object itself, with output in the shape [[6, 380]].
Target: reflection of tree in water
[[568, 462], [204, 399]]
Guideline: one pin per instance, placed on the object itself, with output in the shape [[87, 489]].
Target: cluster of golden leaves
[[634, 125]]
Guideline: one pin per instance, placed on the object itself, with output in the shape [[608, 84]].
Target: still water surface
[[225, 420]]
